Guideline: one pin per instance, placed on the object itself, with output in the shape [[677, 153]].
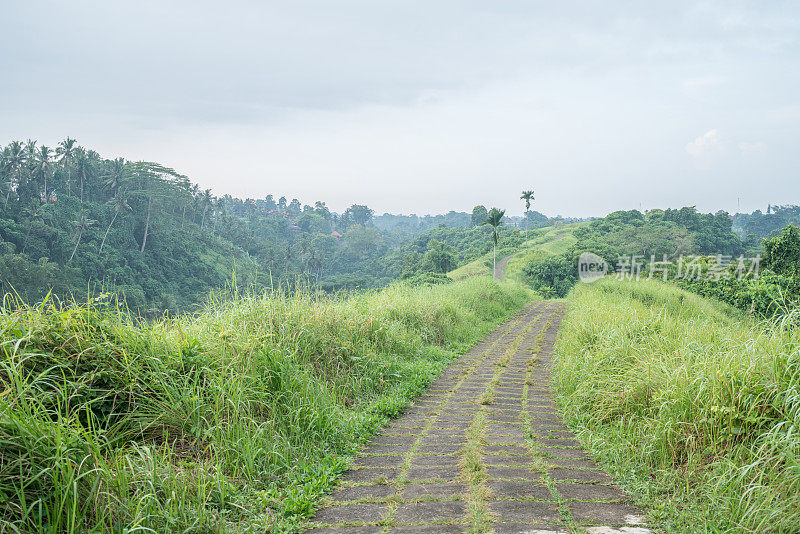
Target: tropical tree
[[30, 150], [14, 159], [205, 202], [527, 196], [44, 167], [154, 181], [219, 210], [80, 225], [6, 186], [119, 204], [479, 215], [67, 154], [115, 177], [34, 212], [494, 219], [86, 161]]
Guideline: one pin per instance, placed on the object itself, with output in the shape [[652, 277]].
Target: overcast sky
[[423, 106]]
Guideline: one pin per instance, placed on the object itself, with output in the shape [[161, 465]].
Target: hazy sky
[[423, 106]]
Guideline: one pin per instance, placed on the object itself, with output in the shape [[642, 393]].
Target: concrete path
[[500, 268], [483, 450]]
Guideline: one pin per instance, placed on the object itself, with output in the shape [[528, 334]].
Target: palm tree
[[494, 219], [14, 156], [115, 177], [6, 186], [205, 202], [81, 224], [119, 204], [30, 150], [219, 210], [527, 196], [67, 152], [43, 166]]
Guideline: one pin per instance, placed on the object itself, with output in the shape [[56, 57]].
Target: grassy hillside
[[693, 404], [545, 242], [239, 417], [541, 243]]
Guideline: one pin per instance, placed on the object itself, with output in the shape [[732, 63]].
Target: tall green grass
[[236, 419], [695, 405]]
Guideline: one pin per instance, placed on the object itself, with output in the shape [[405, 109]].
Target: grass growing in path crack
[[489, 394], [474, 472], [540, 464]]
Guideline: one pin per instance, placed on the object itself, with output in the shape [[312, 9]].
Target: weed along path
[[483, 450]]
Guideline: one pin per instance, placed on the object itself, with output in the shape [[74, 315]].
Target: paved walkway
[[483, 450], [500, 268]]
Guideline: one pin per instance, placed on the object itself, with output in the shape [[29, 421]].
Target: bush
[[552, 276]]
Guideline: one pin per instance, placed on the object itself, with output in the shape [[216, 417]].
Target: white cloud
[[706, 145], [702, 82], [756, 147]]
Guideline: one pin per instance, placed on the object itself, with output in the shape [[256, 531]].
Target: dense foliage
[[753, 227], [72, 219], [645, 236], [774, 290]]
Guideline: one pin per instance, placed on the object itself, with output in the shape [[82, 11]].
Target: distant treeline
[[626, 238], [71, 219]]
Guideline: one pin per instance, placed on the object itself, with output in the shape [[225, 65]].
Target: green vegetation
[[753, 227], [527, 196], [693, 405], [495, 219], [551, 267], [774, 292], [544, 242], [238, 417], [71, 219]]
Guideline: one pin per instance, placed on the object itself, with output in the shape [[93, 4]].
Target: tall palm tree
[[206, 201], [494, 220], [219, 210], [67, 153], [44, 166], [115, 177], [80, 225], [30, 150], [14, 155], [7, 186], [119, 204], [527, 196]]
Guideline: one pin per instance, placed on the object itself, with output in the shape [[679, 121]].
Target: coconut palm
[[6, 186], [14, 156], [527, 196], [80, 225], [119, 204], [67, 153], [494, 220], [116, 176], [85, 164], [219, 210], [44, 166], [205, 202], [30, 150]]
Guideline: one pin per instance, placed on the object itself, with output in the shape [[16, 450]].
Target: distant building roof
[[336, 234]]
